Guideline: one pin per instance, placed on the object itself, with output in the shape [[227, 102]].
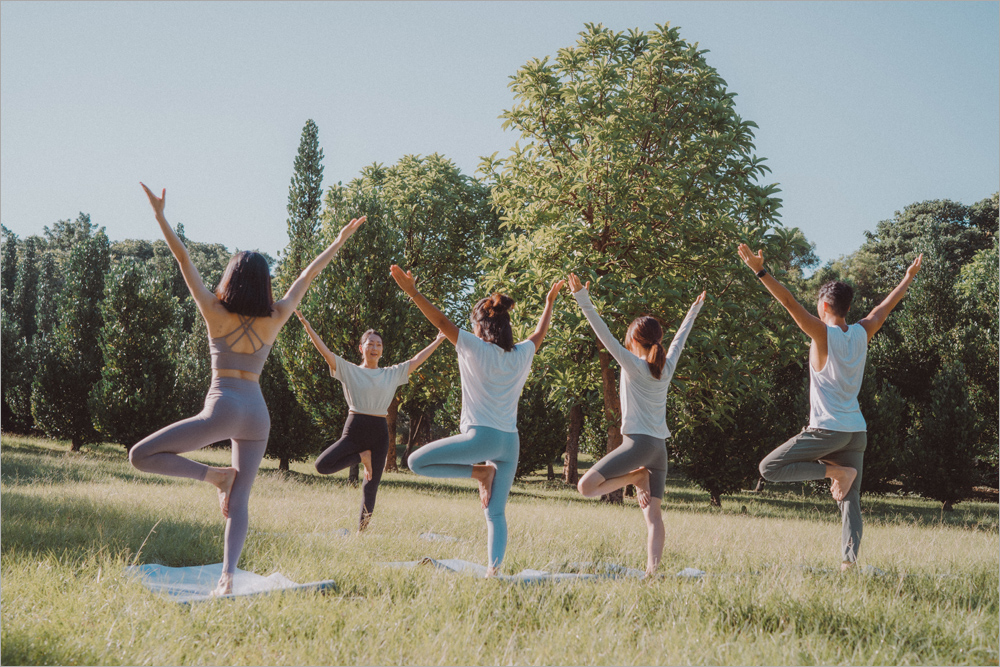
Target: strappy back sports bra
[[224, 358]]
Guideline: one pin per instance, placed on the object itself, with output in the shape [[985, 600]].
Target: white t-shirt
[[643, 397], [833, 391], [370, 390], [492, 380]]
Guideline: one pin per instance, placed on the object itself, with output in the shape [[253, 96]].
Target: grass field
[[773, 595]]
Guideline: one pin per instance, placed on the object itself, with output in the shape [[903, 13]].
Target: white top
[[370, 390], [643, 397], [491, 381], [833, 391]]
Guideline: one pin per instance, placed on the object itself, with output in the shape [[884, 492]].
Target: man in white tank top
[[833, 444]]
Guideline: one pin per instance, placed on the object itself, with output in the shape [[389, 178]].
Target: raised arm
[[680, 338], [546, 319], [879, 313], [408, 284], [201, 294], [293, 296], [318, 343], [581, 293], [421, 356], [811, 325]]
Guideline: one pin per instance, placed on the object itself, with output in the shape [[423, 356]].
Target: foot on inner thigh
[[366, 461], [640, 479], [225, 586], [222, 479], [484, 474], [841, 479]]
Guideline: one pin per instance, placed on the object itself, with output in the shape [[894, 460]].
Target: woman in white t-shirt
[[647, 369], [368, 390], [493, 371]]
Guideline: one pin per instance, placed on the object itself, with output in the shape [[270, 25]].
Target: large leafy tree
[[70, 358], [23, 355], [135, 393], [423, 214], [634, 170]]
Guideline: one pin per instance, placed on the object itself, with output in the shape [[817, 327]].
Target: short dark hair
[[494, 321], [838, 295], [368, 334], [245, 288]]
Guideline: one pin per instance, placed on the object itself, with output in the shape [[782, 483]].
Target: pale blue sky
[[863, 107]]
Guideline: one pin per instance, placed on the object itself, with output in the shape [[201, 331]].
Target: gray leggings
[[638, 450], [234, 409], [798, 461]]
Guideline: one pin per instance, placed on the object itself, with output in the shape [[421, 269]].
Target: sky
[[862, 107]]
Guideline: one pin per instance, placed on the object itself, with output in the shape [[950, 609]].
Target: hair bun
[[497, 304]]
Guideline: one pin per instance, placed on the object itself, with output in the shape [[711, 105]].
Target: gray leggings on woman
[[798, 460], [235, 410], [637, 450]]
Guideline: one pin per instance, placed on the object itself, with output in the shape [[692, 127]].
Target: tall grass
[[773, 593]]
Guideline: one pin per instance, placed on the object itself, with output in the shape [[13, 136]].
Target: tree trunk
[[283, 464], [716, 500], [570, 474], [419, 434], [353, 475], [947, 506], [551, 472], [612, 411], [77, 444], [390, 418]]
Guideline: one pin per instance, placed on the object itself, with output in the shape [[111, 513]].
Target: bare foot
[[365, 519], [841, 478], [223, 480], [491, 572], [847, 565], [641, 483], [225, 586], [484, 474], [366, 461]]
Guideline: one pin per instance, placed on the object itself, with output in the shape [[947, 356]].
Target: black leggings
[[361, 432]]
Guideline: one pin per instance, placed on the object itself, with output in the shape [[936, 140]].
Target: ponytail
[[493, 320], [647, 332]]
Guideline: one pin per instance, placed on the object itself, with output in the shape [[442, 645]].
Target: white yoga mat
[[601, 571], [194, 584]]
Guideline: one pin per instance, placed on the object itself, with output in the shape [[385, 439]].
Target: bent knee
[[136, 457], [768, 469]]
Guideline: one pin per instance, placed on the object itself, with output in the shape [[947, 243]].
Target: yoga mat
[[195, 584]]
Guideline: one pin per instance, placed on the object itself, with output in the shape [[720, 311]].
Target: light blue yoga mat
[[599, 571], [195, 584]]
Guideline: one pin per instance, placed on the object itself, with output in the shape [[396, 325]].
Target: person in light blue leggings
[[493, 371], [452, 457]]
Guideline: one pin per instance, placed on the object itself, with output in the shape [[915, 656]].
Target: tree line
[[633, 170]]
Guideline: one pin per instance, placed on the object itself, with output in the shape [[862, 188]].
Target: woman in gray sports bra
[[243, 320]]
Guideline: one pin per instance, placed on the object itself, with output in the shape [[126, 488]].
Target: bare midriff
[[366, 414], [230, 373]]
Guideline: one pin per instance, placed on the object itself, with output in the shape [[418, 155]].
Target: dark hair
[[245, 288], [490, 314], [647, 332], [839, 295], [368, 334]]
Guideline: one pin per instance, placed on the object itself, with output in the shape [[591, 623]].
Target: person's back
[[833, 390]]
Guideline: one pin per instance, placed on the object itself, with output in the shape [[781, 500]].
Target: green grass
[[72, 522]]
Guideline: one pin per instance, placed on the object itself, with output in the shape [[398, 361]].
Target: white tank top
[[833, 391]]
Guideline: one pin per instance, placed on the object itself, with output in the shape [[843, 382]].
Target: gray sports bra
[[224, 358]]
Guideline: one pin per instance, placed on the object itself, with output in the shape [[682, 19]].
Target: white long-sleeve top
[[643, 397]]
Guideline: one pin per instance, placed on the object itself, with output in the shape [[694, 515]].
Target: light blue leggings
[[454, 457]]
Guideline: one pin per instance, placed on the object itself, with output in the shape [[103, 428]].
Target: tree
[[941, 451], [305, 199], [8, 270], [423, 214], [634, 170], [135, 394], [49, 288], [70, 356], [23, 357]]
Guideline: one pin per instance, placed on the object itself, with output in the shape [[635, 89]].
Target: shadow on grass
[[76, 530]]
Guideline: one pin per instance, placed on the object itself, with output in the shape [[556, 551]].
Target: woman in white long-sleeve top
[[647, 368]]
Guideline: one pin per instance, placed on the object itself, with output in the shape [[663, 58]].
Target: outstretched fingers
[[554, 292], [404, 279]]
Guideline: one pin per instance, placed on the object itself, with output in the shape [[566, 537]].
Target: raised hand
[[701, 298], [915, 267], [158, 203], [550, 298], [349, 229], [575, 285], [755, 262], [404, 279]]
